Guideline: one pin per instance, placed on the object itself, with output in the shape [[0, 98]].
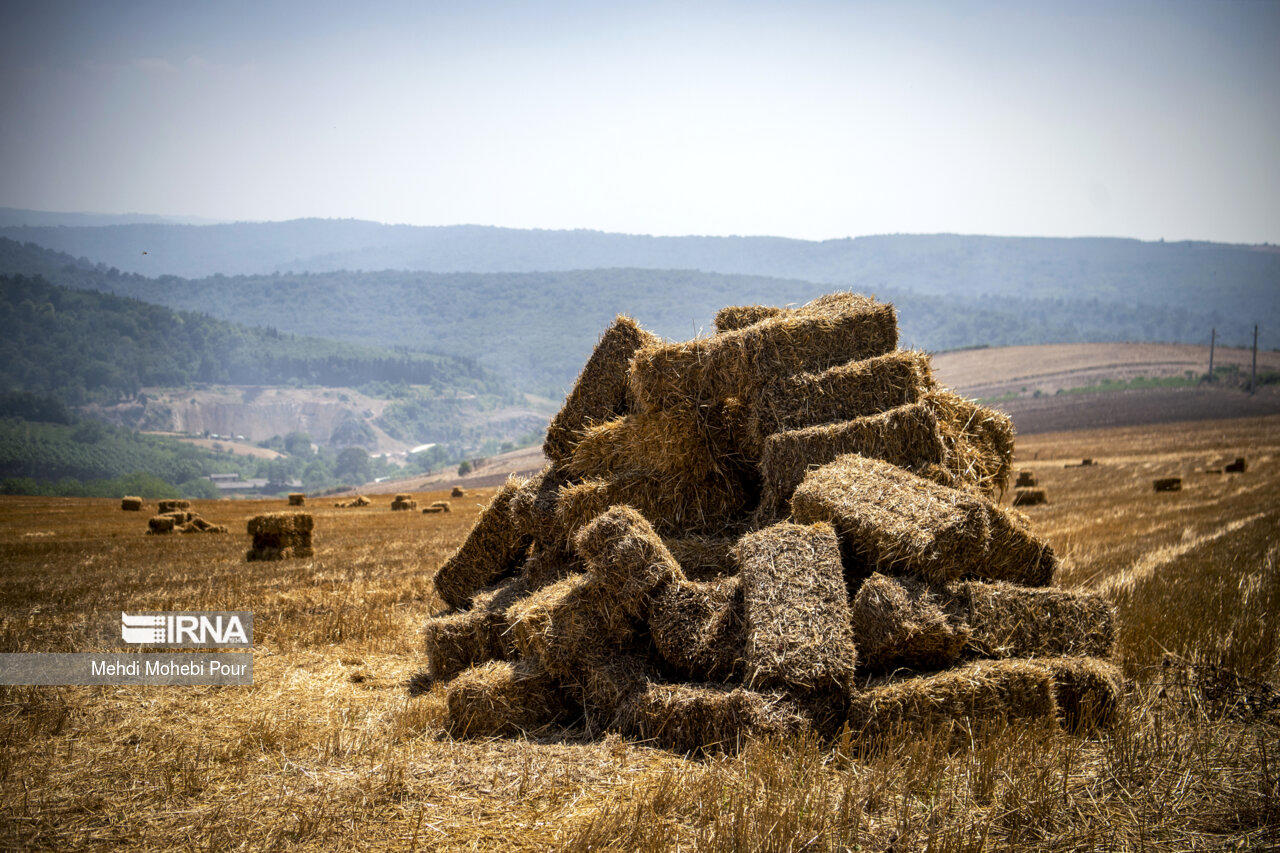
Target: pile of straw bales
[[403, 502], [357, 501], [180, 521], [783, 527]]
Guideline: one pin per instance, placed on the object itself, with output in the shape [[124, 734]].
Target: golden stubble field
[[327, 750]]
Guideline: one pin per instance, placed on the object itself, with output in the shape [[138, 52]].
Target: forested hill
[[536, 329], [83, 346]]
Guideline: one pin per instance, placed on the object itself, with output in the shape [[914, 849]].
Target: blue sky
[[1151, 120]]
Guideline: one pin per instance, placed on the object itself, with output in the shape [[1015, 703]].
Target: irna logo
[[189, 630]]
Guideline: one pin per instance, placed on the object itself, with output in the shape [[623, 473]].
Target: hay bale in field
[[626, 557], [569, 623], [1167, 484], [131, 503], [280, 536], [160, 524], [733, 317], [954, 699], [492, 550], [502, 698], [442, 506], [601, 391], [900, 622], [979, 442], [834, 330], [403, 503], [170, 505], [1088, 691], [692, 718], [1030, 497], [459, 640], [432, 510], [906, 436], [357, 501], [703, 558], [1005, 620], [1239, 466], [196, 524], [297, 499], [699, 629], [1026, 480], [893, 521], [841, 393], [457, 492], [796, 611], [180, 516]]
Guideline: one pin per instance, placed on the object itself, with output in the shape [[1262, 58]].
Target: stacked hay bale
[[403, 502], [438, 506], [164, 507], [785, 526], [181, 521], [280, 536], [297, 499]]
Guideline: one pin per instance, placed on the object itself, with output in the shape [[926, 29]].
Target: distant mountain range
[[17, 216]]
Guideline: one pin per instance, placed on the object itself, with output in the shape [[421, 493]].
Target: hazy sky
[[800, 119]]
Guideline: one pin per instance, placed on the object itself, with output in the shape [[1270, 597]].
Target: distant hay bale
[[432, 510], [674, 508], [1088, 691], [1011, 621], [852, 390], [698, 628], [892, 521], [979, 442], [600, 392], [906, 436], [170, 505], [180, 516], [403, 503], [442, 506], [693, 718], [460, 640], [568, 623], [160, 524], [196, 524], [501, 698], [131, 503], [796, 611], [627, 558], [280, 536], [733, 317], [358, 500], [457, 492], [1030, 497], [703, 558], [1239, 466], [1167, 484], [834, 330], [954, 699], [297, 499], [1026, 480], [900, 622], [491, 551]]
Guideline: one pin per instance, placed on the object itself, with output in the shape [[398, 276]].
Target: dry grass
[[327, 751]]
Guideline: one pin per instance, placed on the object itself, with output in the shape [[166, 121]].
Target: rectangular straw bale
[[703, 558], [492, 550], [403, 503], [900, 622], [605, 687], [672, 507], [733, 317], [196, 524], [692, 718], [1088, 691], [851, 390], [169, 506], [600, 392], [893, 521], [796, 611], [533, 507], [459, 640], [954, 699], [1030, 497], [906, 436], [699, 629], [569, 622], [1026, 480], [547, 564], [160, 524], [280, 535], [836, 329], [297, 499], [180, 516], [627, 558], [502, 698], [979, 442], [1006, 620], [131, 503], [443, 506]]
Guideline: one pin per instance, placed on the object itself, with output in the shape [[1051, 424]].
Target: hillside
[[1238, 284], [536, 329]]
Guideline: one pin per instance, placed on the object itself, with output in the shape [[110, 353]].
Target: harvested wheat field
[[1174, 748]]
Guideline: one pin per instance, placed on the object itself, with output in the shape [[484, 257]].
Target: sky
[[815, 120]]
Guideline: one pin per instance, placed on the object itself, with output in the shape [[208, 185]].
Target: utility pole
[[1213, 339], [1253, 372]]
